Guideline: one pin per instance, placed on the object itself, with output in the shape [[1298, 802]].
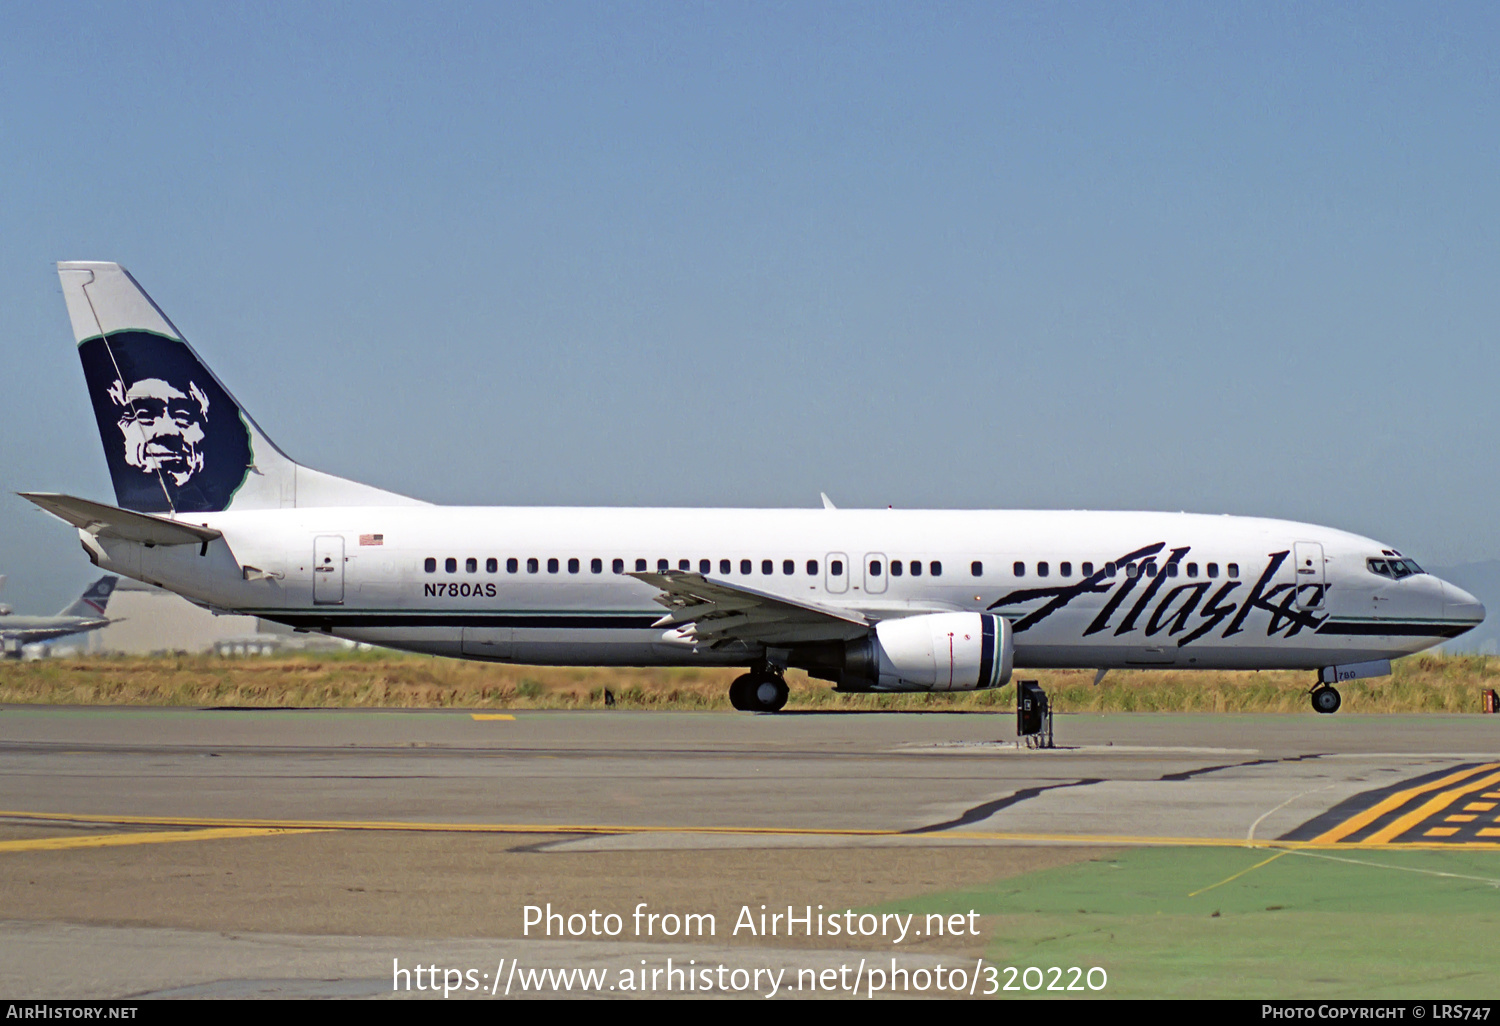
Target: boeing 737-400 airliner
[[872, 600]]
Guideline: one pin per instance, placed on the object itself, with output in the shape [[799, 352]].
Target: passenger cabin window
[[471, 565], [976, 569], [552, 565], [935, 568], [1065, 568], [896, 566], [662, 566], [532, 566], [705, 566], [640, 566], [767, 567], [451, 565], [684, 564], [491, 565], [1132, 571], [430, 565], [874, 568], [1110, 569], [1213, 569], [618, 566], [1087, 569], [1234, 571], [1171, 569], [512, 565], [1192, 569], [1020, 569], [744, 566], [788, 566], [916, 568], [724, 565], [1042, 569], [1150, 568], [596, 566], [573, 565], [812, 568], [836, 568]]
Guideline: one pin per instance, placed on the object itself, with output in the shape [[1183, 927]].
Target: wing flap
[[112, 522], [713, 612]]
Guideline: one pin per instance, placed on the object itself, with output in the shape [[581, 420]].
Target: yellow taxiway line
[[585, 829], [424, 827], [153, 837], [492, 716], [1236, 876]]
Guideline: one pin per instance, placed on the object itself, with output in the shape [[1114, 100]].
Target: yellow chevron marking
[[1430, 808], [1397, 800]]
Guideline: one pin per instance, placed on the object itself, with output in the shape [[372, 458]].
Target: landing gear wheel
[[740, 692], [758, 692], [1326, 699], [769, 694]]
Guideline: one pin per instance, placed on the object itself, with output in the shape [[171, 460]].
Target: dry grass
[[1425, 683]]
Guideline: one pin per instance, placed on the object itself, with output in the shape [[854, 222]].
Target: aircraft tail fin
[[175, 439], [94, 598]]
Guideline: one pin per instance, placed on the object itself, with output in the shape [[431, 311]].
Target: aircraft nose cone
[[1460, 605]]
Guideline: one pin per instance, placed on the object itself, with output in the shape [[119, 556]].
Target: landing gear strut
[[1326, 699], [758, 691]]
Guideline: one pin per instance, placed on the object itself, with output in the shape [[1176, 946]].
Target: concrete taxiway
[[320, 830]]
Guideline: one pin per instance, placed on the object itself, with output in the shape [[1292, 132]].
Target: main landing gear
[[758, 691], [1325, 699]]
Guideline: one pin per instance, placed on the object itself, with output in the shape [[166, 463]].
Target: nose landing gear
[[1326, 699], [759, 691]]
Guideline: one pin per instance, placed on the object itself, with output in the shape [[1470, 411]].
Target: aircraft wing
[[712, 611], [113, 522], [49, 632]]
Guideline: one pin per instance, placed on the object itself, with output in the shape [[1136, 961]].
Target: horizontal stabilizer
[[112, 522]]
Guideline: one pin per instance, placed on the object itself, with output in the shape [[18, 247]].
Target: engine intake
[[932, 652]]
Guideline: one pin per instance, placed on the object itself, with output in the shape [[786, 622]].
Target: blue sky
[[1226, 258]]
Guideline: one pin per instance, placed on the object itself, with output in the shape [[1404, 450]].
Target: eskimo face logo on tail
[[173, 437], [163, 429]]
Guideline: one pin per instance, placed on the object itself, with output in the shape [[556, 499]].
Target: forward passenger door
[[1311, 581]]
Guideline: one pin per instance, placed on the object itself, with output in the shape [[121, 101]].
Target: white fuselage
[[550, 585]]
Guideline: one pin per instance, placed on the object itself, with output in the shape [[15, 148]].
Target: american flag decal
[[372, 539]]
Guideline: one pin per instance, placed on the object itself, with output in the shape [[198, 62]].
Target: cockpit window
[[1395, 569]]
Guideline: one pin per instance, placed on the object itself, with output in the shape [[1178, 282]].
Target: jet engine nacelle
[[933, 652]]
